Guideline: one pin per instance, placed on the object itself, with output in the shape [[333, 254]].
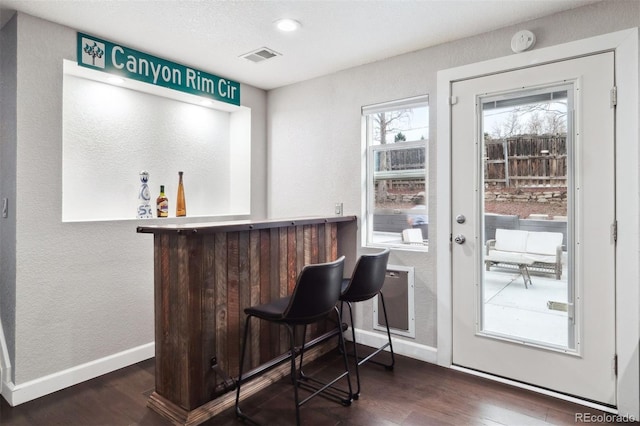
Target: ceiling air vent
[[260, 55]]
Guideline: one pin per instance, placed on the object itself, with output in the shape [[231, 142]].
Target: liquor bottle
[[144, 197], [162, 203], [181, 206]]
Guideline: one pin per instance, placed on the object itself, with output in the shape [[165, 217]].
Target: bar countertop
[[241, 225]]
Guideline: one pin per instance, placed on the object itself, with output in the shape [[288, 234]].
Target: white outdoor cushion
[[507, 257], [540, 258], [511, 240], [543, 242]]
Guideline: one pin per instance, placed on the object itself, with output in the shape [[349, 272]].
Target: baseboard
[[400, 346], [28, 391], [5, 364]]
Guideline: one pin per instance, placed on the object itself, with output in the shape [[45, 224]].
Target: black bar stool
[[366, 282], [315, 295]]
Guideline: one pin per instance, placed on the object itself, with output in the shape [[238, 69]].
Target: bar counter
[[205, 274]]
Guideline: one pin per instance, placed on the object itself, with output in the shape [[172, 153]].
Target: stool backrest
[[316, 293], [367, 278]]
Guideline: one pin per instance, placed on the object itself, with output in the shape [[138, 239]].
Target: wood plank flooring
[[414, 393]]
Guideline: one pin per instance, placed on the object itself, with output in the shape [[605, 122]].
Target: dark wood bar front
[[205, 275]]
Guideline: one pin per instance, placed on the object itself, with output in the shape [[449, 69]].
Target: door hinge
[[614, 231], [453, 100], [615, 364], [613, 96]]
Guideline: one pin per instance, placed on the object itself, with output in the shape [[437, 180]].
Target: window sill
[[393, 241]]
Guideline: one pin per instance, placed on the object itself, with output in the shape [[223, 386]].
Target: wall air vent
[[260, 55]]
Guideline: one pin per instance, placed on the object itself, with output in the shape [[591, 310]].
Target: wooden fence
[[529, 160]]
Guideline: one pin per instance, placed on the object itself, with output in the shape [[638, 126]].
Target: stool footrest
[[362, 360], [263, 368], [326, 390]]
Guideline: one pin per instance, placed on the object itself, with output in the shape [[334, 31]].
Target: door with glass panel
[[533, 226]]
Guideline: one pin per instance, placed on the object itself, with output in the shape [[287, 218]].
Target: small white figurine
[[144, 197]]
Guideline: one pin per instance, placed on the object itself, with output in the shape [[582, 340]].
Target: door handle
[[460, 239]]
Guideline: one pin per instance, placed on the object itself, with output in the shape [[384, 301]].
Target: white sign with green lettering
[[119, 60]]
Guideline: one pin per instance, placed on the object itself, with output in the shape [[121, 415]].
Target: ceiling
[[335, 34]]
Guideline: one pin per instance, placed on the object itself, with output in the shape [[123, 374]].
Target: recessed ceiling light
[[287, 24]]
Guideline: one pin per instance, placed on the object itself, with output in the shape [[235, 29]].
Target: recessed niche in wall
[[111, 133]]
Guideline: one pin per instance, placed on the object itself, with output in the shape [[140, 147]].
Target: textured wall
[[316, 139], [8, 182], [83, 291], [110, 133]]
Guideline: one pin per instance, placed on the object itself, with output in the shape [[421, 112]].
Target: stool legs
[[386, 322], [328, 389], [239, 412], [360, 361], [294, 375], [298, 378], [355, 352]]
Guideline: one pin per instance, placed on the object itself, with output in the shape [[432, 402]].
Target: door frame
[[625, 45]]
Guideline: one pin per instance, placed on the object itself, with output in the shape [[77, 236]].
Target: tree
[[400, 137], [535, 124], [510, 126], [385, 123], [556, 124], [536, 118], [388, 122]]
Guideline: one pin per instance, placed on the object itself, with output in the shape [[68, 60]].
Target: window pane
[[400, 194], [399, 126], [399, 179], [396, 174], [527, 174], [399, 160]]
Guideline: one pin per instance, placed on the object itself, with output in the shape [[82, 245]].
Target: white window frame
[[369, 172]]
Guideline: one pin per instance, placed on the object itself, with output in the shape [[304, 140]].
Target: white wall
[[102, 159], [8, 189], [315, 134], [316, 143], [82, 292]]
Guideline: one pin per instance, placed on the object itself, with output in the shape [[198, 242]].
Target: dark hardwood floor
[[414, 393]]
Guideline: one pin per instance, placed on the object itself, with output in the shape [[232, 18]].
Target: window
[[396, 162]]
